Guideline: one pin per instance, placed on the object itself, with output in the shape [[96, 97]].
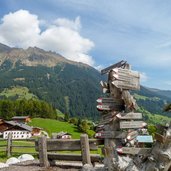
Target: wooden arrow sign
[[130, 115], [110, 107], [127, 85], [111, 134], [131, 135], [132, 150], [109, 100], [132, 124], [123, 74]]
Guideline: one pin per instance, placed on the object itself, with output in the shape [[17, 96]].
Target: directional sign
[[132, 150], [130, 115], [125, 74], [131, 135], [109, 100], [125, 79], [127, 85], [132, 124], [144, 139], [119, 64], [111, 134], [110, 107]]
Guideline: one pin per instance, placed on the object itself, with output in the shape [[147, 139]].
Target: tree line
[[33, 108]]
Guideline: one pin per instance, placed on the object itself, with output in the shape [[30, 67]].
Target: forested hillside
[[68, 86]]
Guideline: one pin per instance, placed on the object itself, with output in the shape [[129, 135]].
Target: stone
[[12, 160], [25, 157]]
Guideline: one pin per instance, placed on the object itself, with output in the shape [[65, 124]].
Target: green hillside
[[71, 87], [17, 93], [52, 126]]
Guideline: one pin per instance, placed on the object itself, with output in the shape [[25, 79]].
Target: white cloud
[[22, 29], [19, 29], [74, 25], [143, 77]]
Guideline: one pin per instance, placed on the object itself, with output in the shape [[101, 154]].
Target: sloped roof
[[20, 117], [23, 126]]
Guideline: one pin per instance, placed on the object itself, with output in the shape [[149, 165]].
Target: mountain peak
[[33, 56]]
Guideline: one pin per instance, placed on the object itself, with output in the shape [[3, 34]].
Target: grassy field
[[21, 92], [51, 126]]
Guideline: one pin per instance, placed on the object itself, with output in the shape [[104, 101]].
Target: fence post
[[9, 145], [85, 149], [42, 146]]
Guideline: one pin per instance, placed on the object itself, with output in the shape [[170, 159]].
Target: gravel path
[[34, 166]]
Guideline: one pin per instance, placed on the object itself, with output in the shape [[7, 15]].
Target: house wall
[[17, 134]]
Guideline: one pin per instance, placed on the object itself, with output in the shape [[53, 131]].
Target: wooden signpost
[[133, 150], [132, 124], [125, 74], [129, 116], [110, 107], [110, 100], [111, 134], [118, 114], [127, 85]]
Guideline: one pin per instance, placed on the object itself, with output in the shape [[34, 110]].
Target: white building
[[18, 130]]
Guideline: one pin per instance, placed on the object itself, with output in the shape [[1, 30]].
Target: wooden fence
[[11, 146], [48, 149]]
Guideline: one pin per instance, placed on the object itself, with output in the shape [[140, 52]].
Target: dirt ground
[[34, 166]]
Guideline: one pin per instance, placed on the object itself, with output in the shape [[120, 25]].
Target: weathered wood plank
[[108, 100], [132, 124], [125, 73], [85, 149], [68, 144], [127, 85], [9, 143], [130, 115], [72, 157], [132, 150], [117, 65], [111, 134], [43, 159], [110, 107]]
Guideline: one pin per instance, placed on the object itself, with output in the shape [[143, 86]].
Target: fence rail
[[49, 150], [12, 146]]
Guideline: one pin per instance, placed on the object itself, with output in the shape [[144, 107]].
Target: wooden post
[[9, 144], [85, 149], [42, 145]]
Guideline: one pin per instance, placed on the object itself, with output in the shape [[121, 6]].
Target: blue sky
[[97, 32]]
